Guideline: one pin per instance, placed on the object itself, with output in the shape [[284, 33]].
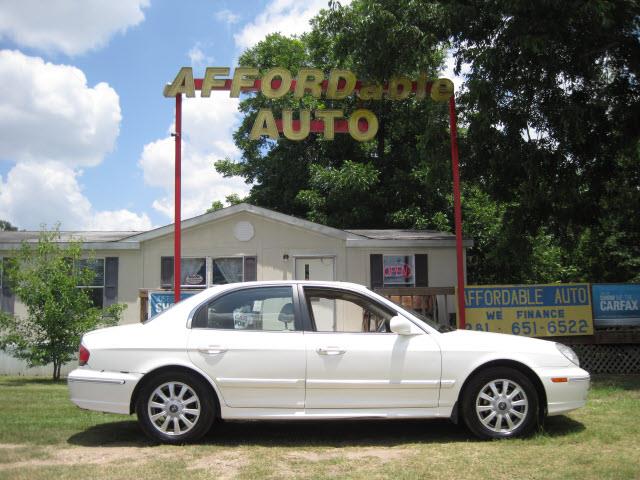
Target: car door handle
[[330, 351], [212, 350]]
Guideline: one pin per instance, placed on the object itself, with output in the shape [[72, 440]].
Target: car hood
[[488, 341]]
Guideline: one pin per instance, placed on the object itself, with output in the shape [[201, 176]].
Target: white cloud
[[68, 26], [196, 55], [208, 124], [48, 192], [48, 111], [226, 16], [119, 220], [289, 17], [52, 124], [198, 58]]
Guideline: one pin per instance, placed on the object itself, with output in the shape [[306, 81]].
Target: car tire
[[175, 408], [500, 402]]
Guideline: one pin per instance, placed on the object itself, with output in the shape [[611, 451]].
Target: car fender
[[458, 367], [152, 367]]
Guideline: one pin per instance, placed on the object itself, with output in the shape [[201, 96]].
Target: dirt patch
[[10, 446], [381, 453], [224, 465], [89, 455], [384, 454]]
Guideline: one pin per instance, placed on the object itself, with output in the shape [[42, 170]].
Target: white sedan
[[317, 350]]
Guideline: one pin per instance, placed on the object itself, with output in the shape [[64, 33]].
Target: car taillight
[[83, 355]]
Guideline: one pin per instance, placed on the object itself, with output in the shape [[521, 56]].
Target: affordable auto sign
[[531, 310], [275, 83]]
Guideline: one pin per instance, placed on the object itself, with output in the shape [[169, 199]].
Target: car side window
[[340, 311], [264, 308]]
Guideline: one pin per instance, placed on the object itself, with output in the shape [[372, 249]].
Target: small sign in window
[[398, 270]]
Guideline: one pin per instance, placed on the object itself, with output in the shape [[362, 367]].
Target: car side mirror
[[401, 326]]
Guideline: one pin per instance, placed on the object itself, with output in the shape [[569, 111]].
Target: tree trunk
[[56, 370]]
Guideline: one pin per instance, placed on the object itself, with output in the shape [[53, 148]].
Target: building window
[[388, 270], [398, 270], [7, 298], [195, 271], [95, 288], [227, 270], [233, 269]]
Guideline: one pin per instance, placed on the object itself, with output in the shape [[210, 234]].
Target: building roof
[[124, 240], [397, 234], [66, 236], [245, 207]]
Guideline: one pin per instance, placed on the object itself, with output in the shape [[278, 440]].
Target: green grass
[[44, 436]]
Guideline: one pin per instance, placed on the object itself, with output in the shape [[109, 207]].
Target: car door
[[250, 342], [355, 362]]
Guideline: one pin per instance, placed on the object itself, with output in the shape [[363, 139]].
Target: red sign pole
[[457, 208], [176, 224]]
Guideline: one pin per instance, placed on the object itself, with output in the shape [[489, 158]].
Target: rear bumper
[[102, 391], [569, 390]]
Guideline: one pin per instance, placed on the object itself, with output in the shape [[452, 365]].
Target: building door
[[319, 269], [315, 268]]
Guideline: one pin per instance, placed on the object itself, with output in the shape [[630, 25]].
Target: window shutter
[[8, 298], [422, 270], [110, 281], [166, 272], [250, 269], [375, 269]]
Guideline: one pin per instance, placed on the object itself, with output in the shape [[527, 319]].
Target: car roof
[[318, 283]]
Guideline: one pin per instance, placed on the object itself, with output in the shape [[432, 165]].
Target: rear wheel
[[175, 407], [500, 402]]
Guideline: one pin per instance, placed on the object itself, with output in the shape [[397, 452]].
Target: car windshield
[[429, 321]]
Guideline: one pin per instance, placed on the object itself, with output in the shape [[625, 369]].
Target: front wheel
[[175, 408], [499, 403]]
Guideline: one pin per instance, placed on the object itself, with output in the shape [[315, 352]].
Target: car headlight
[[569, 353]]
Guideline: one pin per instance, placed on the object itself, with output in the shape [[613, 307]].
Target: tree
[[551, 103], [215, 206], [549, 136], [231, 199], [344, 183], [6, 226], [45, 277]]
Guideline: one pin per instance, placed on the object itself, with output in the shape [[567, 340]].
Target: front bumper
[[566, 388], [102, 391]]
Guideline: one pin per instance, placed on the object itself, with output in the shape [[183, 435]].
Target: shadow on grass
[[561, 425], [623, 382], [25, 381], [363, 433], [336, 433], [114, 434]]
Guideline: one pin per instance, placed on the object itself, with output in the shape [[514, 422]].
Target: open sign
[[398, 270]]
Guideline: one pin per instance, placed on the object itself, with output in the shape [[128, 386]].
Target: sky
[[84, 128]]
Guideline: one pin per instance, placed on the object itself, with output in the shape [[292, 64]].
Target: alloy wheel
[[502, 406], [174, 408]]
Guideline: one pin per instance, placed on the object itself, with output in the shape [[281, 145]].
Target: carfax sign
[[530, 310], [616, 304]]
